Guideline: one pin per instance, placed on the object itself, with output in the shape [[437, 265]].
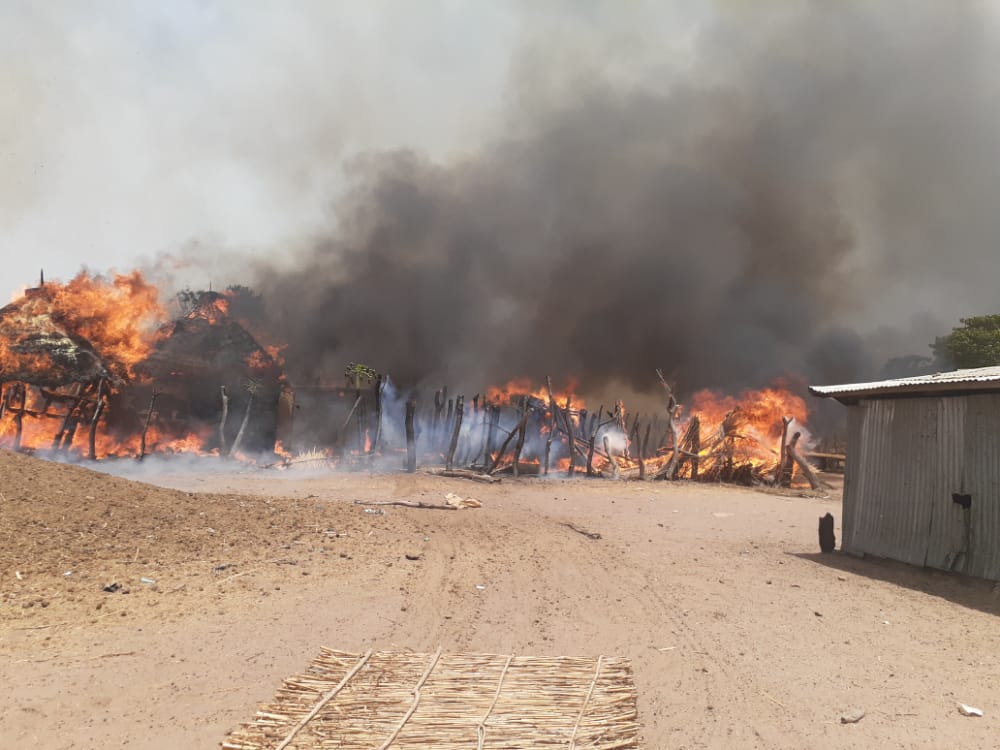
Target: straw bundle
[[383, 700]]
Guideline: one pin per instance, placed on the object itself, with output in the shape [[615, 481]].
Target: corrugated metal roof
[[977, 379]]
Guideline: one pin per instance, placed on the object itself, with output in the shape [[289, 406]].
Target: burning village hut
[[47, 371], [82, 355], [210, 381], [923, 470]]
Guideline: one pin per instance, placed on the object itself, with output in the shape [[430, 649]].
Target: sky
[[129, 130]]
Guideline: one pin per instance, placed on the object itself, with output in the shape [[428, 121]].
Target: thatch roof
[[448, 701], [206, 341], [35, 348]]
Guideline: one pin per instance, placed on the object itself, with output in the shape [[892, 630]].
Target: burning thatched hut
[[36, 347], [209, 373]]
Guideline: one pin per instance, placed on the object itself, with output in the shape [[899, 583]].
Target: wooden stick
[[98, 410], [465, 474], [222, 421], [407, 504], [510, 436], [814, 480], [552, 425], [638, 453], [569, 432], [779, 473], [322, 702], [411, 447], [614, 464], [22, 393], [519, 445], [413, 706], [238, 440], [145, 426], [456, 431]]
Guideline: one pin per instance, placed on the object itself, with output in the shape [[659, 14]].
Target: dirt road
[[741, 634]]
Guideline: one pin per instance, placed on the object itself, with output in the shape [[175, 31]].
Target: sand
[[741, 633]]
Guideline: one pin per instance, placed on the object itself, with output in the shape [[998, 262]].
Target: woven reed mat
[[381, 699]]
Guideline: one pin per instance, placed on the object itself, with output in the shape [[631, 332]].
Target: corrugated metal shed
[[910, 453]]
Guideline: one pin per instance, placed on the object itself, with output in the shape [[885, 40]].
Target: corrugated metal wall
[[906, 457]]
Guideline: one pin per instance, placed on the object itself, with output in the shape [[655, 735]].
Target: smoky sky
[[812, 173]]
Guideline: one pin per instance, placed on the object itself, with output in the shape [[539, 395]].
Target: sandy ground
[[741, 634]]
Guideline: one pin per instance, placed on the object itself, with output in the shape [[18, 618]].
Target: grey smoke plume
[[815, 173]]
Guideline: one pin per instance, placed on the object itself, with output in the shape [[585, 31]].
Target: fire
[[82, 364], [761, 410], [514, 390]]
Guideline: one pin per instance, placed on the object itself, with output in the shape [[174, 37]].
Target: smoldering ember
[[103, 369]]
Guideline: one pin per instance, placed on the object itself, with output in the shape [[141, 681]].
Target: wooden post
[[695, 447], [145, 426], [379, 386], [436, 418], [590, 455], [238, 440], [456, 431], [779, 474], [506, 442], [98, 410], [552, 426], [4, 398], [71, 406], [611, 458], [491, 431], [673, 409], [793, 453], [569, 432], [639, 451], [521, 429], [411, 446], [22, 395], [222, 422]]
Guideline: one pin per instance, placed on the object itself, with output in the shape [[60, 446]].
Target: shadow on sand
[[974, 593]]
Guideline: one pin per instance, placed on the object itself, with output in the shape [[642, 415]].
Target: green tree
[[975, 344]]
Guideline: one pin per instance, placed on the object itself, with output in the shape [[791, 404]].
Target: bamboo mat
[[381, 700]]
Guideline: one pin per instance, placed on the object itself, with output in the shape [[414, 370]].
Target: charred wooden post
[[98, 411], [4, 398], [638, 452], [552, 426], [611, 458], [506, 442], [569, 432], [591, 445], [595, 419], [251, 392], [788, 466], [411, 443], [222, 421], [436, 418], [695, 446], [379, 387], [810, 473], [783, 473], [21, 394], [779, 473], [491, 433], [70, 406], [673, 409], [521, 429], [456, 431], [145, 426]]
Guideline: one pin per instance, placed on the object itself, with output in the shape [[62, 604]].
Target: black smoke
[[815, 172]]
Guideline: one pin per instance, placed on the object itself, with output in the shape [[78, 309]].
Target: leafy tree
[[975, 344]]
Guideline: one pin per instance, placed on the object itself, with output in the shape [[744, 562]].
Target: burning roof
[[37, 348]]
